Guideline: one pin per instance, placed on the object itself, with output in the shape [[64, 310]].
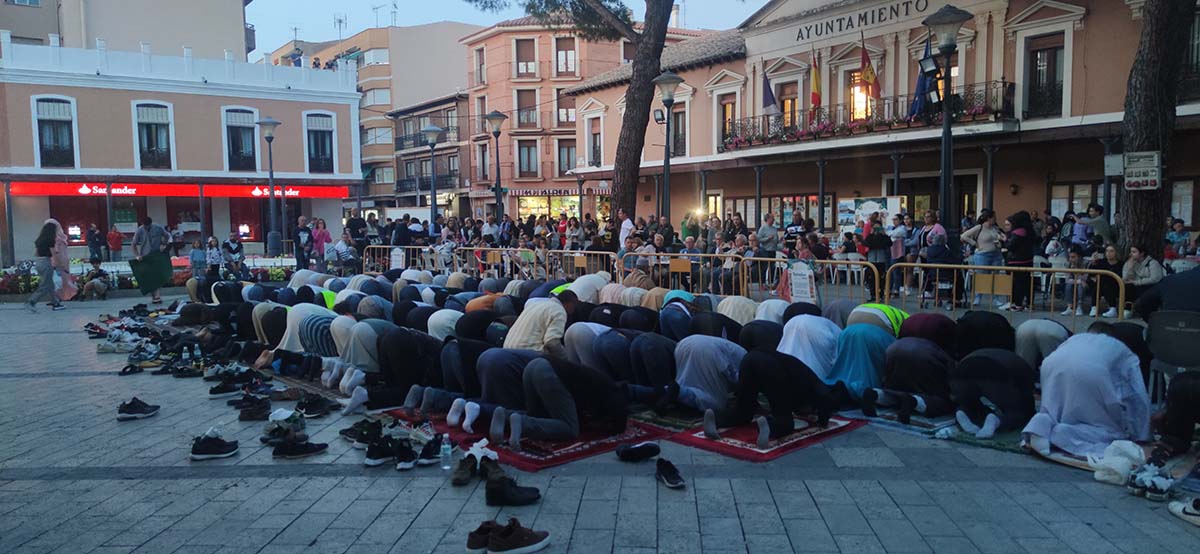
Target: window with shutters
[[627, 52], [56, 133], [565, 116], [564, 57], [594, 142], [527, 115], [154, 136], [481, 160], [566, 157], [480, 66], [679, 131], [320, 142], [527, 158], [452, 166], [481, 109], [377, 96], [1045, 67], [526, 64], [239, 131]]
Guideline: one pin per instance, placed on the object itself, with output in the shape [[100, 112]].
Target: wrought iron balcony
[[987, 101], [1045, 101], [156, 158], [320, 165], [404, 142]]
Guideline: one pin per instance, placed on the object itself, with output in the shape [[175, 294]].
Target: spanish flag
[[814, 97], [869, 79]]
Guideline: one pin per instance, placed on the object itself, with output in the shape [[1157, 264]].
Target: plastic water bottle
[[445, 452], [197, 356], [186, 358]]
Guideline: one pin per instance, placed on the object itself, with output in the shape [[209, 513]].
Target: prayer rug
[[536, 455], [1178, 466], [1004, 442], [741, 442], [917, 425], [311, 387], [676, 419]]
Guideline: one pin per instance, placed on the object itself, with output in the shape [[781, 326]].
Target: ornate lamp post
[[667, 83], [494, 121], [945, 23], [432, 134], [275, 232]]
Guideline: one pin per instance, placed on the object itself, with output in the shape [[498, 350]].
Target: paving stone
[[810, 535]]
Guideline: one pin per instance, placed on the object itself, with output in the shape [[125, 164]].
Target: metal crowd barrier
[[572, 264], [969, 287], [377, 259], [835, 279], [695, 273], [513, 263]]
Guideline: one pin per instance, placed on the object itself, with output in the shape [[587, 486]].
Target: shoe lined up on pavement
[[492, 538], [135, 409], [211, 446]]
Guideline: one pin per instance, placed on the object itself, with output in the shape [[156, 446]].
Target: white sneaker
[[1187, 510], [1128, 314], [1093, 312], [1004, 306], [1078, 311], [1112, 312], [1069, 311]]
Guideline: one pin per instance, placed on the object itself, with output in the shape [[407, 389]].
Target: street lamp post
[[495, 120], [945, 23], [667, 83], [274, 233], [432, 133]]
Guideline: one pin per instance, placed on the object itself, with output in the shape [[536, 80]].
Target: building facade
[[421, 166], [107, 137], [214, 26], [1030, 124], [522, 67], [388, 59]]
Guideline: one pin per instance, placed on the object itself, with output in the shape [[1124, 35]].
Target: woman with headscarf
[[707, 370], [442, 323], [813, 340], [915, 380], [1037, 338], [880, 315], [798, 308], [714, 324], [375, 307], [1004, 379], [1092, 395], [839, 311], [933, 327], [44, 247], [738, 308], [579, 342], [772, 309], [978, 329], [861, 353]]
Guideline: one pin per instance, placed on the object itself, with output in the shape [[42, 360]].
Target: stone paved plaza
[[74, 480]]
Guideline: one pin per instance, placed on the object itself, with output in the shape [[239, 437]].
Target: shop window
[[533, 205], [320, 142], [1045, 67], [566, 157], [154, 136], [56, 133], [1182, 195], [527, 159], [127, 212], [184, 214], [239, 129], [568, 205]]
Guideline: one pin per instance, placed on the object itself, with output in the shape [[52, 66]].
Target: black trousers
[[788, 385], [1183, 411], [456, 377], [274, 323], [1020, 288], [1013, 400], [652, 360]]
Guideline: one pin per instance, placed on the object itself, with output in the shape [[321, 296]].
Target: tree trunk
[[1150, 101], [638, 96]]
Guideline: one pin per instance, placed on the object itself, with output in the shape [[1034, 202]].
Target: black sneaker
[[367, 434], [293, 450], [210, 446], [259, 412], [135, 409], [669, 475], [313, 406], [224, 390], [505, 492], [638, 452], [351, 433], [247, 400], [405, 457], [187, 373], [380, 451], [431, 453], [279, 435]]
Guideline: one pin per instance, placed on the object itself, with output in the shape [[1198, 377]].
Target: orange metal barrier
[[761, 278], [965, 287], [694, 273], [570, 264]]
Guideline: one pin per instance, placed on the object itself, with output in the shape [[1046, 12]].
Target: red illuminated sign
[[39, 188]]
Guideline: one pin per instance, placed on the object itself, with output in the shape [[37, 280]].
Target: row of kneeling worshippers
[[540, 359]]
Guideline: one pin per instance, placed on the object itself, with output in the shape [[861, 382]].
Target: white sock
[[920, 409], [990, 424], [471, 413], [884, 398], [514, 431], [325, 378], [965, 422], [1039, 443], [454, 416], [347, 374], [357, 378], [357, 399]]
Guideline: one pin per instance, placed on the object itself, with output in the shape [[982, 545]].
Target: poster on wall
[[852, 212], [125, 219]]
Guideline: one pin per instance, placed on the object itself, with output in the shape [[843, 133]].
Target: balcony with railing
[[1045, 100], [58, 157], [404, 142], [446, 182], [320, 165], [241, 162], [989, 101], [158, 158], [251, 38]]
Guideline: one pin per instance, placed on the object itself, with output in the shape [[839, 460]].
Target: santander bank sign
[[38, 188]]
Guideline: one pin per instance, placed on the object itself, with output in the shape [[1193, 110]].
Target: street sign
[[1114, 165], [1142, 170]]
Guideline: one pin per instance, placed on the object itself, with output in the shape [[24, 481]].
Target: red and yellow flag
[[814, 97], [870, 80]]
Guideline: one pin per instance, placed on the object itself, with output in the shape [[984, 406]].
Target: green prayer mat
[[152, 272]]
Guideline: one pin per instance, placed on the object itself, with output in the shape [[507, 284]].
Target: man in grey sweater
[[768, 236]]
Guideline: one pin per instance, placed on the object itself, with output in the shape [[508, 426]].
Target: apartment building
[[93, 136], [521, 67], [421, 166], [398, 67], [213, 27], [1039, 84]]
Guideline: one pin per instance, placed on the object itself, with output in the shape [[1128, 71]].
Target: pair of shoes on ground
[[136, 409], [392, 445], [1151, 482], [210, 446], [282, 426], [492, 538], [664, 471]]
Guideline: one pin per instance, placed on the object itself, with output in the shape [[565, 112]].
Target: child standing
[[198, 259]]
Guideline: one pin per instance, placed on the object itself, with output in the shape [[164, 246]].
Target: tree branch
[[613, 21]]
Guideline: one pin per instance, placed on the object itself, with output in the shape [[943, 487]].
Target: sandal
[[130, 370]]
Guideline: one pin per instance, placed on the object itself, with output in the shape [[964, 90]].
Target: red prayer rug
[[741, 442], [536, 455]]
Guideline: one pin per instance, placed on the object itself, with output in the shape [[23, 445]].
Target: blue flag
[[924, 85]]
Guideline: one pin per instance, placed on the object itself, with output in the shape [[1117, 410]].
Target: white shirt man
[[626, 226]]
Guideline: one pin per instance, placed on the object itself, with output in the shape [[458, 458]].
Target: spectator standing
[[95, 241], [115, 240], [321, 240], [666, 230], [357, 226], [1020, 246], [986, 238], [302, 243], [151, 265]]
